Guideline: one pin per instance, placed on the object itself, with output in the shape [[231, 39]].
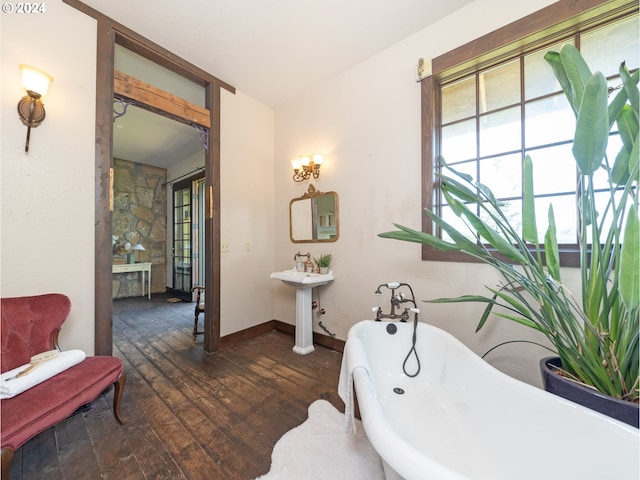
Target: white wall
[[247, 210], [47, 195], [367, 121]]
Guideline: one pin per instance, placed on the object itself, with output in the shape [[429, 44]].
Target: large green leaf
[[577, 69], [465, 176], [572, 72], [486, 191], [493, 237], [462, 242], [628, 127], [551, 247], [521, 320], [410, 235], [529, 227], [506, 294], [553, 59], [452, 201], [634, 159], [486, 313], [464, 193], [630, 83], [592, 126], [630, 262], [464, 299], [620, 169], [620, 99]]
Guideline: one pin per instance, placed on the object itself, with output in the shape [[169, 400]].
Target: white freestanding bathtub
[[460, 418]]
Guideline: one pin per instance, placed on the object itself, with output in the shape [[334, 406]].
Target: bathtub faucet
[[397, 300]]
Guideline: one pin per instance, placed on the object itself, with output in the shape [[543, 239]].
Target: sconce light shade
[[30, 108], [306, 167], [35, 80]]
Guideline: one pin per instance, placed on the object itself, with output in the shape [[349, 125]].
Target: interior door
[[182, 240]]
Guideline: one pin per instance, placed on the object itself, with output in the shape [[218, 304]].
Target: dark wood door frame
[[109, 33]]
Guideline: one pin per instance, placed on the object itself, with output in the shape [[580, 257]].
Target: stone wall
[[139, 216]]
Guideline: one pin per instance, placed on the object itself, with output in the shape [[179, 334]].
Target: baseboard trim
[[246, 334], [261, 329]]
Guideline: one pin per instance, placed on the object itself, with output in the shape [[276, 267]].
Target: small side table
[[136, 267]]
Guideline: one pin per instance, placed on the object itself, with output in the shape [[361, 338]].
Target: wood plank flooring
[[189, 415]]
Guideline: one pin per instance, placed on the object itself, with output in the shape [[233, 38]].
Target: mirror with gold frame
[[314, 217]]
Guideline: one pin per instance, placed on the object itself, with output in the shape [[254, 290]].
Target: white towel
[[62, 362], [354, 357]]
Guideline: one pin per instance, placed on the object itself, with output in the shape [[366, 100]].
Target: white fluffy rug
[[321, 449]]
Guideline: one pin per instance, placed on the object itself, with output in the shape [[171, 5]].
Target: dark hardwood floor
[[189, 415]]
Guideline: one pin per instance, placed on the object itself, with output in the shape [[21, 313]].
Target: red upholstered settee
[[30, 325]]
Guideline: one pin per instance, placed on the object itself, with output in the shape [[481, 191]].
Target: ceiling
[[271, 50]]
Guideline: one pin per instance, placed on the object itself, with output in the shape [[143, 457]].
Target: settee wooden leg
[[117, 396], [5, 458]]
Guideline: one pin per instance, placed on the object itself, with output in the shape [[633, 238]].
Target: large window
[[487, 118]]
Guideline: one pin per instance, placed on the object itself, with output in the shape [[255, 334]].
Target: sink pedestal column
[[304, 282], [304, 322]]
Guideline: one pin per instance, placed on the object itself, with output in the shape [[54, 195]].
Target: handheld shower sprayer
[[397, 299], [390, 285]]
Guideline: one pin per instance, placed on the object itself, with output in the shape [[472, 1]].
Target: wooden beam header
[[159, 101]]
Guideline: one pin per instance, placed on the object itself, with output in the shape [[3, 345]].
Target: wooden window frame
[[547, 26]]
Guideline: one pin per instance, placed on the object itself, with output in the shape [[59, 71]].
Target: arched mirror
[[313, 217]]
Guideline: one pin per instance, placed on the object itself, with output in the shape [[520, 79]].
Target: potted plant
[[323, 262], [597, 339]]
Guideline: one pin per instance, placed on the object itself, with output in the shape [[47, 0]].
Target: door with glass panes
[[188, 237], [181, 250]]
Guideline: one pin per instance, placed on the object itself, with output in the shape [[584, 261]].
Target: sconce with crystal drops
[[30, 108], [306, 167]]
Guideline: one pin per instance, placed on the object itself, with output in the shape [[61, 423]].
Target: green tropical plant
[[323, 261], [597, 339]]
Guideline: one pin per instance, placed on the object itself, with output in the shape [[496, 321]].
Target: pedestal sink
[[303, 282]]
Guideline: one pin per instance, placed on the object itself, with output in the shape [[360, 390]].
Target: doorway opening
[[110, 33], [187, 250], [152, 142], [151, 91]]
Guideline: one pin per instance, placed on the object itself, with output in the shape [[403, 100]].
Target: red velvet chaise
[[30, 325]]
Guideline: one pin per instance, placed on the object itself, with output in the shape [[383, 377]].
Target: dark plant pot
[[627, 412]]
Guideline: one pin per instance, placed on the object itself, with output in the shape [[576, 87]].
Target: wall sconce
[[305, 167], [30, 108]]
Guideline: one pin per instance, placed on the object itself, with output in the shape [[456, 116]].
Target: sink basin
[[304, 284], [298, 279]]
